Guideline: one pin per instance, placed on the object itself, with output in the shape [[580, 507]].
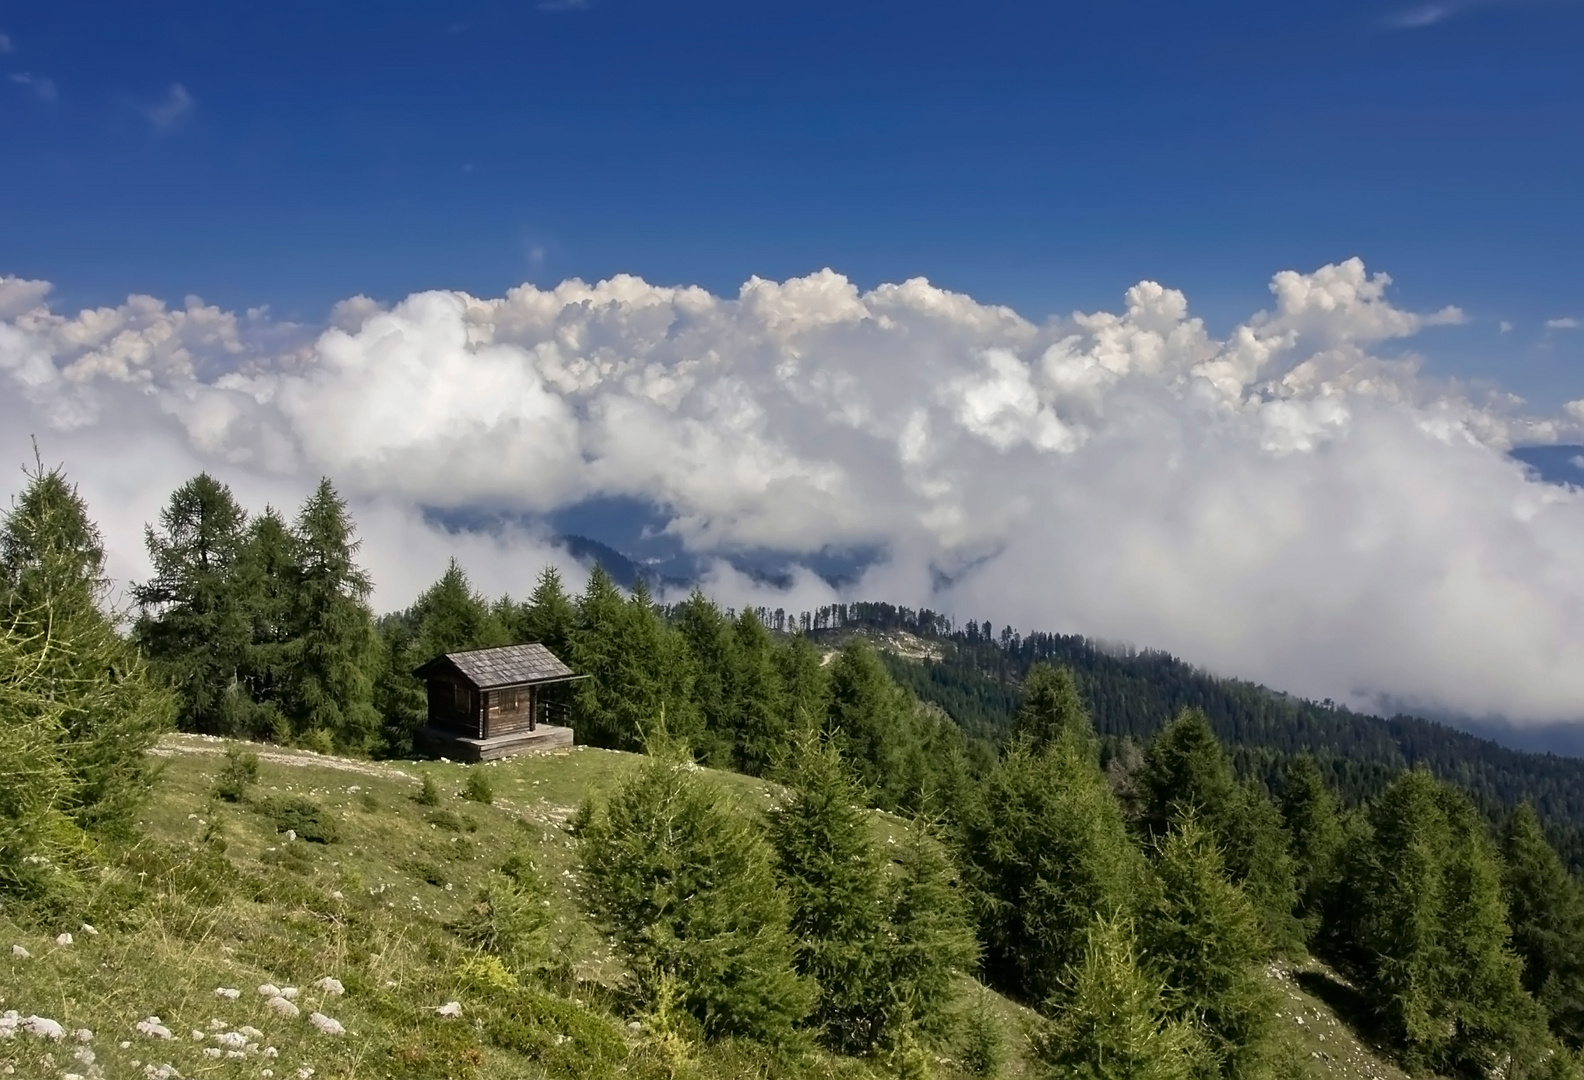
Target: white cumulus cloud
[[1566, 323], [1283, 503]]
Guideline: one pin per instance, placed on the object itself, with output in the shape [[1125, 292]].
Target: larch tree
[[1314, 826], [1051, 705], [195, 625], [1546, 908], [760, 727], [330, 694]]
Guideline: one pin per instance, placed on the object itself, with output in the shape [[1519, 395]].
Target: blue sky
[[1040, 155]]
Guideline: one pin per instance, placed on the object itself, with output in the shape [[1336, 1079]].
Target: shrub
[[478, 788], [240, 772], [564, 1039], [306, 818], [509, 918], [429, 793], [444, 819]]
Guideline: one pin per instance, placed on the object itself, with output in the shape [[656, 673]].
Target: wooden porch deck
[[449, 744]]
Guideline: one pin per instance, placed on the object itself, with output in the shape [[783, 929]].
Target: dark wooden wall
[[509, 711], [454, 705]]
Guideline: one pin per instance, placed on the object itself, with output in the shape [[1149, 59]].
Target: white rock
[[269, 990], [331, 986], [83, 1035], [251, 1032], [281, 1007], [291, 834], [327, 1025], [449, 1009], [44, 1028], [289, 993], [270, 1051], [63, 940], [197, 1036], [152, 1027], [231, 1040], [235, 1055], [305, 1072], [211, 1052], [90, 931], [217, 1024], [20, 953], [228, 992]]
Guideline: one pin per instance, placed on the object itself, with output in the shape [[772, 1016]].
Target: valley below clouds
[[1294, 503]]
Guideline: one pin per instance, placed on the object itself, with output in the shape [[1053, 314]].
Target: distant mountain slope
[[1133, 692]]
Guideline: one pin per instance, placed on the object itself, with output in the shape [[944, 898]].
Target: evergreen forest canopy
[[1117, 841]]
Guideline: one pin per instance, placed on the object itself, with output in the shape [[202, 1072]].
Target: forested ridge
[[1081, 836]]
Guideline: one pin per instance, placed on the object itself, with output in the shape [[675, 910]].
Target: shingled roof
[[510, 665]]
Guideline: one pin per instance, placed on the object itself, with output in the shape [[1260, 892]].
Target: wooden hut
[[491, 703]]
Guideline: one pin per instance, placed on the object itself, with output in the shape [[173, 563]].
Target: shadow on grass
[[1350, 1007]]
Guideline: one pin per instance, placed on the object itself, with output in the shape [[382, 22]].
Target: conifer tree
[[1186, 773], [1111, 1022], [1051, 705], [873, 717], [685, 881], [758, 697], [1433, 932], [1044, 850], [1203, 937], [835, 883], [1314, 826], [195, 626], [332, 647], [707, 636], [805, 684], [267, 579], [80, 686], [549, 615], [929, 941], [1546, 909]]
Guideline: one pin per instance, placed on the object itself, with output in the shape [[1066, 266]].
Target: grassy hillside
[[217, 897]]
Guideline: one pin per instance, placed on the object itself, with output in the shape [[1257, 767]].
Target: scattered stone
[[327, 1025], [269, 990], [20, 953], [152, 1027], [449, 1009], [231, 1040], [63, 940], [281, 1007], [44, 1028], [83, 1035], [229, 993], [90, 931], [289, 993], [331, 986], [251, 1032]]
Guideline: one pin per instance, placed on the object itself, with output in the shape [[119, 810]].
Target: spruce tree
[[81, 687], [835, 883], [758, 696], [684, 880], [805, 683], [268, 577], [1051, 705], [332, 646], [1314, 826], [1111, 1021], [1546, 908], [1044, 850], [1204, 938], [194, 624]]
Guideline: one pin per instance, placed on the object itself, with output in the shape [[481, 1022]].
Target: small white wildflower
[[85, 1055], [331, 986], [90, 931], [228, 992], [289, 993], [281, 1007], [123, 1044], [335, 894], [327, 1025], [20, 953], [234, 1055], [71, 1076], [269, 990], [449, 1009]]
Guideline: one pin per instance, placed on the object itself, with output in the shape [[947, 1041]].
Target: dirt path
[[171, 745]]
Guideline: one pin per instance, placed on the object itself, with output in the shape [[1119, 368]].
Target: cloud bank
[[1294, 503]]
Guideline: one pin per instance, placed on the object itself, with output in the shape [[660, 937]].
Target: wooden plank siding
[[454, 705], [509, 710]]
